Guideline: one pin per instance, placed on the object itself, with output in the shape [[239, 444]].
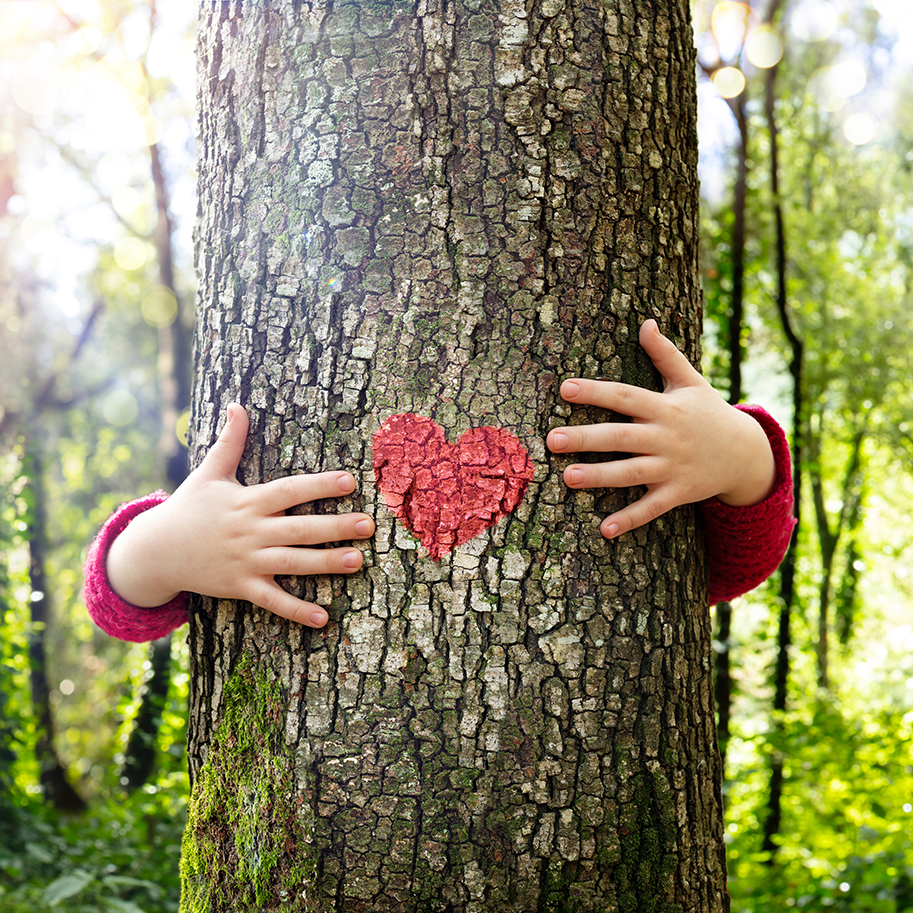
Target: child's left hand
[[688, 444]]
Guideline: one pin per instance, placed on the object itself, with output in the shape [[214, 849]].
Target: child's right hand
[[220, 538]]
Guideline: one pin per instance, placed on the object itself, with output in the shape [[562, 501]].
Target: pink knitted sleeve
[[745, 545], [111, 613]]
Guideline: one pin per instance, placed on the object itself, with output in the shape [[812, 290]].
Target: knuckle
[[624, 396], [654, 511], [577, 439], [304, 529], [269, 598], [288, 489], [621, 434], [287, 563], [636, 473]]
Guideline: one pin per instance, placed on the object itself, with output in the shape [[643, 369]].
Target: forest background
[[806, 131]]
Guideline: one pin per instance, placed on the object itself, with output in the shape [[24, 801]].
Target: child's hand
[[688, 443], [218, 537]]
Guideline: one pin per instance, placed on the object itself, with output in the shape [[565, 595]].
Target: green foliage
[[123, 857], [847, 840], [847, 804]]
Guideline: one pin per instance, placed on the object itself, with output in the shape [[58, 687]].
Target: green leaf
[[125, 881], [37, 851], [66, 886], [122, 906]]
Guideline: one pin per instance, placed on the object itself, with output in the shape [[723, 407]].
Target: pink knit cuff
[[745, 545], [111, 613]]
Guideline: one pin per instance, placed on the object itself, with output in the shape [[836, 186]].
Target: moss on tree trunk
[[445, 209]]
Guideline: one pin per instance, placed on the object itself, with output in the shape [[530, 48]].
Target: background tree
[[79, 435], [444, 213], [840, 297]]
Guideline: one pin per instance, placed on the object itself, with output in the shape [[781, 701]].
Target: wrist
[[757, 476], [133, 566]]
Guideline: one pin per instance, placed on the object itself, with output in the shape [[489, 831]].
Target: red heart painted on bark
[[446, 494]]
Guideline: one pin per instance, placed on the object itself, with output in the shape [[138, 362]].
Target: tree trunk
[[788, 594], [443, 211], [722, 680], [141, 751], [54, 775]]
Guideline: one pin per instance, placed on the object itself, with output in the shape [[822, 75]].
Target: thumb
[[675, 369], [225, 455]]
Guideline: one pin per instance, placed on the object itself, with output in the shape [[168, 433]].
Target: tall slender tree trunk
[[173, 369], [830, 536], [54, 775], [174, 339], [722, 682], [788, 567], [443, 210]]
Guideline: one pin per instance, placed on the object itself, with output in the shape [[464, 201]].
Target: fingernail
[[318, 618], [352, 558], [559, 440], [571, 389], [611, 531], [574, 476], [363, 528], [229, 413], [346, 483]]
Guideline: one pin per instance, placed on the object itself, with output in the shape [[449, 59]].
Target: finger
[[617, 474], [652, 505], [315, 530], [281, 494], [624, 398], [224, 456], [676, 370], [308, 562], [623, 437], [273, 598]]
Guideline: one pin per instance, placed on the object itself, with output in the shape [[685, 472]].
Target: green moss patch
[[247, 845]]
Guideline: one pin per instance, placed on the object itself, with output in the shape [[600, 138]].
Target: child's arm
[[218, 537], [688, 445], [745, 545]]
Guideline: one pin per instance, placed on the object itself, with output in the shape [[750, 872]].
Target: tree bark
[[141, 751], [54, 775], [788, 596], [445, 210], [829, 538], [723, 680]]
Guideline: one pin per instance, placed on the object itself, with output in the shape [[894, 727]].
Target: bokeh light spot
[[159, 307], [859, 129], [764, 48], [119, 408], [729, 81], [127, 72], [89, 38], [814, 20], [729, 23], [153, 127], [130, 253], [182, 426], [36, 88], [821, 91], [126, 201], [847, 78]]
